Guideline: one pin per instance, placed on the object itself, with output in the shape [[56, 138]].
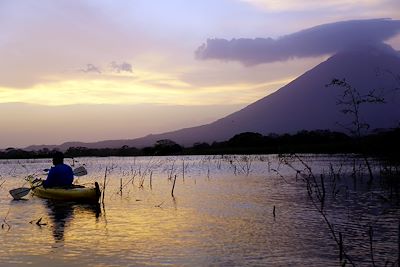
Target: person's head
[[58, 158]]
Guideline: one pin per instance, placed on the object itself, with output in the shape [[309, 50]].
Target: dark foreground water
[[221, 215]]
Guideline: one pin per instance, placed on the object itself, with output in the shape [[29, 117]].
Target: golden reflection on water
[[225, 219], [181, 229], [217, 219]]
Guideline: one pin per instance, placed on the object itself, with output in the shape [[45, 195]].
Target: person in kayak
[[60, 175]]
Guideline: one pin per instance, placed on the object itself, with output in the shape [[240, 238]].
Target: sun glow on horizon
[[142, 87], [131, 68]]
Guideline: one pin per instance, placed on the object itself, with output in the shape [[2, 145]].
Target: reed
[[352, 100], [316, 193], [171, 171], [208, 168], [104, 185], [242, 165], [5, 224], [151, 180], [183, 169], [38, 222], [335, 177], [159, 205], [2, 181], [322, 200], [371, 236], [142, 178], [340, 247], [173, 187]]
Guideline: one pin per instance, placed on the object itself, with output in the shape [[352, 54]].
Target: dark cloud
[[90, 68], [316, 41], [121, 67], [112, 67]]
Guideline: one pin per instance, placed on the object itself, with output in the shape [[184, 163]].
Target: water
[[221, 215]]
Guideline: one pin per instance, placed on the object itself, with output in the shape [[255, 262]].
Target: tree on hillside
[[166, 147], [246, 139]]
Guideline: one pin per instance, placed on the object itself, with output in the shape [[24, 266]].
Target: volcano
[[306, 103]]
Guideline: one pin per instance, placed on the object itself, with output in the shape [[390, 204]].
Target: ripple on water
[[216, 217]]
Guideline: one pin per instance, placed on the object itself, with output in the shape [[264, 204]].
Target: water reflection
[[218, 217], [62, 213]]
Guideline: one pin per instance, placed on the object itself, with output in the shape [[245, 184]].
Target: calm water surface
[[221, 215]]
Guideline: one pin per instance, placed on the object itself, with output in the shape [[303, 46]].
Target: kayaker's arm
[[51, 179]]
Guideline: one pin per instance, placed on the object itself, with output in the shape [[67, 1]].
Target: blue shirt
[[60, 175]]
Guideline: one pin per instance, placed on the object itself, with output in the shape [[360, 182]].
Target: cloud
[[40, 42], [317, 41], [123, 67], [113, 67], [90, 68], [273, 5]]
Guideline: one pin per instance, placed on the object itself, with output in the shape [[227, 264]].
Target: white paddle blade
[[19, 193], [80, 171]]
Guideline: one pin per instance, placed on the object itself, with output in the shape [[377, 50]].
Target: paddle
[[18, 193], [80, 171]]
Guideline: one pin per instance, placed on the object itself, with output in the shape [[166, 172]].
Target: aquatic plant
[[38, 222], [317, 188], [5, 224], [351, 100], [2, 181], [173, 187], [241, 164]]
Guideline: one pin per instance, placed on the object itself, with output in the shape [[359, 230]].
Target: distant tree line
[[385, 143]]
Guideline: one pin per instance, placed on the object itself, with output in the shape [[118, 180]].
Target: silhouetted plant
[[5, 224], [351, 100], [2, 181], [242, 164], [317, 194]]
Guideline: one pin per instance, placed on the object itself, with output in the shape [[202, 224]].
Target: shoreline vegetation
[[336, 187], [384, 144]]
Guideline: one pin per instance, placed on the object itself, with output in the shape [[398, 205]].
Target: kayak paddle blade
[[80, 171], [19, 193]]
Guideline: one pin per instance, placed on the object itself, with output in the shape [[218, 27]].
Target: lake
[[226, 211]]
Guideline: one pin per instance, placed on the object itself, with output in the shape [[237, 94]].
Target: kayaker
[[61, 175]]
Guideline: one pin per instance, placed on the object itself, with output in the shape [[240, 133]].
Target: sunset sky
[[96, 70]]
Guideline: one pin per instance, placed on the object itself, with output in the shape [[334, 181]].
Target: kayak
[[75, 193]]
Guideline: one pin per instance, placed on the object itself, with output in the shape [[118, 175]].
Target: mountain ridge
[[303, 104]]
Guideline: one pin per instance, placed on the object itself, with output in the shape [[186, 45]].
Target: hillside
[[304, 104]]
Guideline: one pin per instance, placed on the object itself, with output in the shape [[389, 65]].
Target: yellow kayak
[[76, 193]]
